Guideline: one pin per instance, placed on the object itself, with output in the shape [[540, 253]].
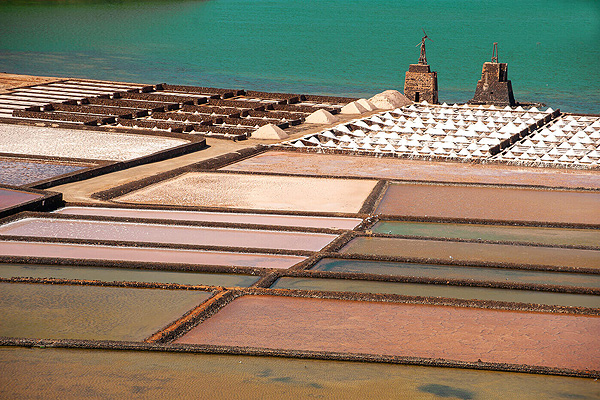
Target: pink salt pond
[[397, 329], [11, 198], [145, 254], [225, 217], [494, 203], [417, 170], [172, 234]]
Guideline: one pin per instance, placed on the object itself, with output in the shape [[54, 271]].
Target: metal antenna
[[495, 53]]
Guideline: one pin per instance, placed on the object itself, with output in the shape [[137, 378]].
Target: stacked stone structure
[[420, 84], [494, 86]]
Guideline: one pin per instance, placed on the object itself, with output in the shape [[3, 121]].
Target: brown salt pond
[[202, 216], [433, 271], [124, 275], [394, 168], [76, 373], [525, 234], [474, 202], [257, 192], [447, 291], [172, 234], [145, 254], [90, 312], [397, 329], [476, 252], [11, 198]]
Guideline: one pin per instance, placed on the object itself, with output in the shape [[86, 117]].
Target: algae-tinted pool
[[402, 329], [434, 271], [158, 233], [124, 275], [527, 234], [475, 252], [90, 312], [447, 291], [74, 373]]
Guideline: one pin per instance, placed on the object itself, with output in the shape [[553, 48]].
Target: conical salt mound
[[353, 108], [367, 104], [321, 117], [390, 100], [269, 131]]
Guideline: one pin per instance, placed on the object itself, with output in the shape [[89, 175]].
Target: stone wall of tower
[[420, 83], [494, 86]]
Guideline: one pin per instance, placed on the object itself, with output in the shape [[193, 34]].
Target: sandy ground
[[13, 81]]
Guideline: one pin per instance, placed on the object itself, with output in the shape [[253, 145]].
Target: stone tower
[[420, 83], [494, 86]]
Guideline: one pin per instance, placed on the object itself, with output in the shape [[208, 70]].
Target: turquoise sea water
[[342, 47]]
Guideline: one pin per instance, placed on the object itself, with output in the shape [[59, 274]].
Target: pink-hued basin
[[10, 198], [145, 254], [451, 333]]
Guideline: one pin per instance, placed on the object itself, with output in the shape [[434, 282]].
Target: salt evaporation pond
[[226, 217], [124, 275], [398, 329], [75, 373], [447, 291], [145, 254], [433, 271], [497, 203], [257, 192], [475, 252], [11, 198], [90, 312], [526, 234], [17, 172]]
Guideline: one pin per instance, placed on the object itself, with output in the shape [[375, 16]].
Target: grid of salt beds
[[427, 131], [571, 140], [22, 98]]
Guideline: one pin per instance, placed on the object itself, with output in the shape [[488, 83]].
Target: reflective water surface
[[527, 234], [73, 373], [458, 272], [90, 312], [124, 275], [457, 292]]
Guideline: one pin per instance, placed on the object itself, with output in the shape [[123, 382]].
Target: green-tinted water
[[356, 47], [526, 234], [458, 272], [447, 291], [124, 275]]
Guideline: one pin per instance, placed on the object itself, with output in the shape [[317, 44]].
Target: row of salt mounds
[[426, 131], [570, 141]]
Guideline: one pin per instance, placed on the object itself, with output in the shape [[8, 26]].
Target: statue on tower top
[[423, 57]]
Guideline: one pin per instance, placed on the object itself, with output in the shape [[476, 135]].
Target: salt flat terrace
[[224, 113]]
